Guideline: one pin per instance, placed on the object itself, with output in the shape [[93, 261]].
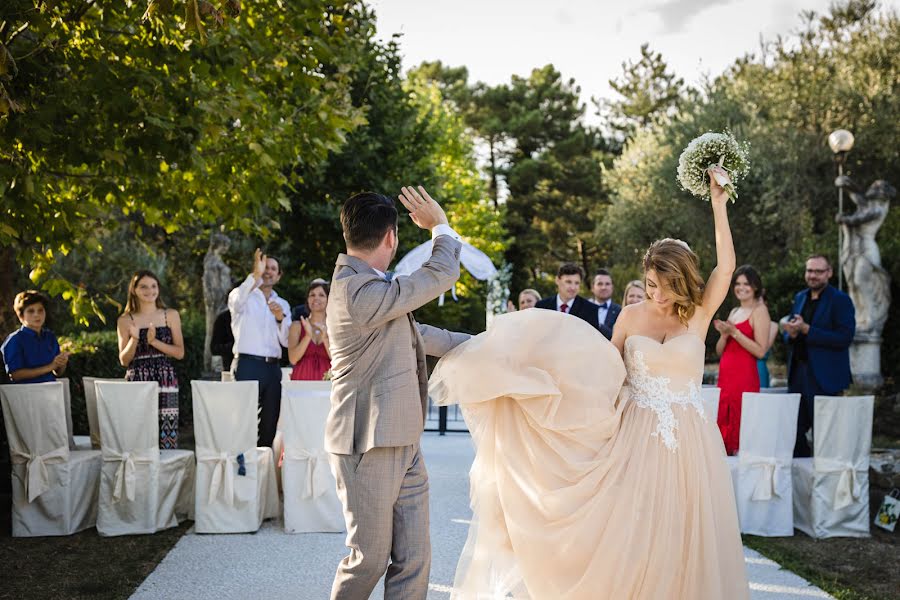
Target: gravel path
[[273, 565]]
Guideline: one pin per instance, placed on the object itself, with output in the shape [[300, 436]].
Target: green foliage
[[647, 92], [96, 354], [412, 136], [162, 123]]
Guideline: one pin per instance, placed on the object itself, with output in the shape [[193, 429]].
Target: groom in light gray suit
[[379, 393]]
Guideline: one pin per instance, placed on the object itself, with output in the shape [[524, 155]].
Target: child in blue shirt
[[32, 353]]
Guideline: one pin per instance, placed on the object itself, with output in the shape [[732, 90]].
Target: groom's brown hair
[[366, 218]]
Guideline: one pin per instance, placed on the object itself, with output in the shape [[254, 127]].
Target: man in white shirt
[[602, 291], [260, 326]]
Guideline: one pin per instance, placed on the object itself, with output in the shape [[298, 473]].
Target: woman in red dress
[[308, 338], [743, 339]]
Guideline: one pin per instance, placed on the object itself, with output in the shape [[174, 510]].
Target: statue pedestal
[[865, 361]]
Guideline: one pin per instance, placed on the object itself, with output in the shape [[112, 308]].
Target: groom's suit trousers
[[384, 492]]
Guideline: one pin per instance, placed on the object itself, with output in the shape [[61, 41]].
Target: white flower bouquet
[[711, 150]]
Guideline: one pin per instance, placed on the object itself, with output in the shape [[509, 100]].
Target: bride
[[586, 485]]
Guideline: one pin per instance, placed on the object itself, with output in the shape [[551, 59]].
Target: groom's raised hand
[[423, 210]]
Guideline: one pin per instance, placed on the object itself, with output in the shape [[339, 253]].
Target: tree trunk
[[494, 184], [8, 268]]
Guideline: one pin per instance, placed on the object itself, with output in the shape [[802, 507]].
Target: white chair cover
[[286, 373], [710, 396], [54, 490], [67, 397], [311, 503], [225, 428], [140, 491], [831, 490], [762, 471], [227, 376], [90, 401]]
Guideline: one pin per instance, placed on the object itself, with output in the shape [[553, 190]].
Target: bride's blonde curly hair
[[678, 268]]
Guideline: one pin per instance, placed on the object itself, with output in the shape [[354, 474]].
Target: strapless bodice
[[664, 375]]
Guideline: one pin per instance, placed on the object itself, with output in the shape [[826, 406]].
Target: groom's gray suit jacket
[[379, 393]]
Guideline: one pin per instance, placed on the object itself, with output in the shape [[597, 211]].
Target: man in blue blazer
[[567, 300], [607, 310], [818, 332]]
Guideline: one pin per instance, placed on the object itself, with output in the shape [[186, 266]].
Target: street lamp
[[840, 141]]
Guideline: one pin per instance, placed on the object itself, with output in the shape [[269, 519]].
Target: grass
[[81, 566], [846, 568]]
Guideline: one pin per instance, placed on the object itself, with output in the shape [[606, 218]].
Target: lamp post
[[840, 141]]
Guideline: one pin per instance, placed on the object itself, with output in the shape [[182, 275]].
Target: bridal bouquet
[[710, 150]]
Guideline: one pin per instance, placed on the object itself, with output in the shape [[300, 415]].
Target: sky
[[587, 40]]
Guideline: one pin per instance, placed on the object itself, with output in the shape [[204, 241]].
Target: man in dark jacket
[[818, 333], [567, 300]]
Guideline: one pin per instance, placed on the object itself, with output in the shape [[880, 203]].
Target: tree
[[647, 91], [117, 121]]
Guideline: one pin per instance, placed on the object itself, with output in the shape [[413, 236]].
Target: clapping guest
[[634, 292], [32, 353], [308, 338], [149, 337], [260, 320], [743, 339]]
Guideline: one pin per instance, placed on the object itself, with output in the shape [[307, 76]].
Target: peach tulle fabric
[[583, 487]]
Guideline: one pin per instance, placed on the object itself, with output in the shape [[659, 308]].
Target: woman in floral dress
[[149, 337]]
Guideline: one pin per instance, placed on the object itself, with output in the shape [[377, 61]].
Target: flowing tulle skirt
[[574, 493]]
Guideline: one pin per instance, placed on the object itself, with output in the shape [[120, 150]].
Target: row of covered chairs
[[823, 496], [130, 486]]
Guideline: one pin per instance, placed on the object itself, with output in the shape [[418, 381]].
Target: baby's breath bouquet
[[710, 150]]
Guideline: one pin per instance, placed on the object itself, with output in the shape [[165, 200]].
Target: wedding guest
[[743, 339], [260, 324], [528, 298], [31, 354], [308, 338], [302, 310], [567, 300], [762, 364], [149, 338], [818, 333], [634, 292], [602, 291]]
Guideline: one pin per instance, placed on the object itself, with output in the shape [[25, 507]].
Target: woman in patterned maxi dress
[[146, 349]]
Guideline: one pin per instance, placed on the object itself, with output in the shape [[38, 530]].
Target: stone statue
[[216, 285], [868, 283]]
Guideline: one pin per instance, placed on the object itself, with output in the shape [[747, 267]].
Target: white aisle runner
[[273, 565]]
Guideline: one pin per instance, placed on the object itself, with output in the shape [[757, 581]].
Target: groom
[[379, 393]]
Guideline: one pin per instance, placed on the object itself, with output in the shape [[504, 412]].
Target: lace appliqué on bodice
[[653, 392]]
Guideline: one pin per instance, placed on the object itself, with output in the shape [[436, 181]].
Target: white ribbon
[[224, 466], [767, 483], [125, 476], [849, 488], [36, 479], [317, 480]]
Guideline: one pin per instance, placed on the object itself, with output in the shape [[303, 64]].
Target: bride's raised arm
[[720, 279]]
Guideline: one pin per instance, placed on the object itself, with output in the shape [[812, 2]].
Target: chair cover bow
[[125, 481], [317, 480], [225, 465], [36, 479], [767, 483], [849, 487]]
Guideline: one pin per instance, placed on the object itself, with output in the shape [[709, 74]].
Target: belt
[[265, 359]]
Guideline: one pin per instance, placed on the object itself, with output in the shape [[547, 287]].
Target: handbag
[[890, 511]]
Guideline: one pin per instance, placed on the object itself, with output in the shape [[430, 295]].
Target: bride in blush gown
[[597, 473]]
